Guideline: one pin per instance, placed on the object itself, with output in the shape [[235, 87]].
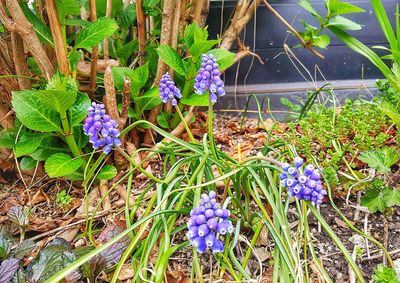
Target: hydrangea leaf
[[78, 111], [94, 33], [201, 47], [107, 172], [171, 58], [196, 100], [380, 159], [339, 8], [57, 99], [343, 23], [373, 200], [27, 163], [224, 58], [61, 164], [33, 114], [28, 143], [7, 139], [149, 99], [48, 147]]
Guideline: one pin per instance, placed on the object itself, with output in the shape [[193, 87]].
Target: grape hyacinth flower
[[206, 222], [101, 129], [303, 183], [209, 78], [168, 90]]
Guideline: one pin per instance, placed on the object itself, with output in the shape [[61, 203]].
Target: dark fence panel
[[341, 63]]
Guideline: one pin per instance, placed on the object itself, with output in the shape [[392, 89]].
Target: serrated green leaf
[[343, 23], [380, 159], [66, 8], [127, 17], [373, 200], [200, 34], [27, 163], [75, 22], [171, 58], [61, 164], [78, 111], [196, 100], [119, 73], [27, 143], [224, 58], [7, 139], [125, 51], [391, 197], [94, 33], [306, 5], [189, 34], [33, 114], [107, 172], [74, 57], [391, 111], [139, 78], [57, 99], [201, 47], [339, 8]]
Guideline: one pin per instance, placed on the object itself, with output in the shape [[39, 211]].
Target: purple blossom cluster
[[206, 222], [209, 78], [168, 90], [303, 183], [101, 129]]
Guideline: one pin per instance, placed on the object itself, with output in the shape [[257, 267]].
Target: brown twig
[[18, 23], [292, 30], [246, 52], [21, 67], [141, 25], [166, 34], [95, 50], [103, 188], [106, 50], [198, 7], [59, 45]]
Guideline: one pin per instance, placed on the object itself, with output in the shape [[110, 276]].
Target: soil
[[233, 138]]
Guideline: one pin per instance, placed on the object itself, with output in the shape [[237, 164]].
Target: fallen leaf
[[177, 277], [244, 149], [39, 197], [126, 272]]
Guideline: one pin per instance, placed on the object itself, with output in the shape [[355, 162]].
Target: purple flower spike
[[303, 183], [209, 78], [206, 221], [168, 90], [100, 128]]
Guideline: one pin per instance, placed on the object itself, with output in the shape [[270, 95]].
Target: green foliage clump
[[357, 125], [63, 198], [384, 274]]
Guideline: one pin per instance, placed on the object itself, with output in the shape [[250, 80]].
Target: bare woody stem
[[18, 23], [95, 50], [59, 45], [21, 67], [141, 24], [105, 43]]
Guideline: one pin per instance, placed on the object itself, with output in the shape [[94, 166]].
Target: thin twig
[[141, 25], [292, 30], [95, 51], [106, 50]]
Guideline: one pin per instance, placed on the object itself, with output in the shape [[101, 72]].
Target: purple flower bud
[[200, 219], [298, 162], [210, 238], [212, 223], [203, 230], [292, 171], [303, 179], [168, 90], [209, 213], [285, 166], [224, 227], [315, 175], [217, 247], [308, 169], [200, 244]]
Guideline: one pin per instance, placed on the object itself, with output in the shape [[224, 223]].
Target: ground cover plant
[[111, 175]]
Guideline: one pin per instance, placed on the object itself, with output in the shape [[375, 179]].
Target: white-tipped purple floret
[[168, 90], [298, 161], [209, 78], [101, 129], [303, 183], [206, 221]]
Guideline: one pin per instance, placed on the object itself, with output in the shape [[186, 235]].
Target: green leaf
[[48, 147], [33, 114], [107, 172], [380, 159], [57, 99], [127, 17], [343, 23], [61, 164], [339, 8], [384, 274], [390, 111], [139, 78], [125, 51], [78, 111], [7, 139], [149, 99], [42, 30], [391, 197], [321, 41], [27, 163], [171, 58], [224, 58], [373, 200], [66, 8], [385, 23], [80, 138], [28, 143], [74, 57], [94, 33], [305, 4], [201, 47], [189, 34], [200, 34], [196, 100], [162, 119], [119, 73]]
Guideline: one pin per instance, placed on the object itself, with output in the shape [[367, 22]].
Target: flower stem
[[210, 129], [185, 94], [185, 124]]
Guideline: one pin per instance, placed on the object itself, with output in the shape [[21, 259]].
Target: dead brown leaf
[[176, 277], [38, 197], [126, 272], [244, 150]]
